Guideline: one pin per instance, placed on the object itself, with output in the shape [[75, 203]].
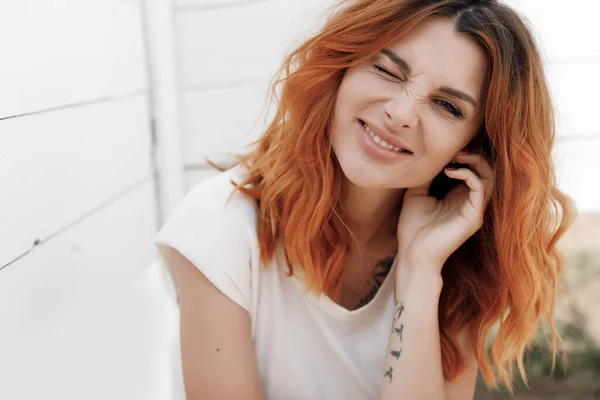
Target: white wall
[[227, 53], [77, 201]]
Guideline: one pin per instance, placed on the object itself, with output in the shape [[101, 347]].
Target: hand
[[429, 231]]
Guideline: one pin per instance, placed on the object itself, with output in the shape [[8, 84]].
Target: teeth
[[382, 143]]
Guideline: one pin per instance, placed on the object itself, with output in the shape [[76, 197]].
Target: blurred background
[[107, 109]]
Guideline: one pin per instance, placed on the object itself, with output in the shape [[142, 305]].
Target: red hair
[[506, 273]]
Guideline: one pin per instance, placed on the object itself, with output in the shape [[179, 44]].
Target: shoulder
[[217, 236], [208, 206], [208, 218], [211, 198]]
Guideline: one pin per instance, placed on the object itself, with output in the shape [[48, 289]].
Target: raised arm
[[413, 369], [216, 346], [429, 231]]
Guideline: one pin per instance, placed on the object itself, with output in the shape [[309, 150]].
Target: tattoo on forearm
[[389, 373], [399, 310], [397, 329], [380, 272]]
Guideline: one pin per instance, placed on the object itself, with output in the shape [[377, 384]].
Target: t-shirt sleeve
[[215, 237]]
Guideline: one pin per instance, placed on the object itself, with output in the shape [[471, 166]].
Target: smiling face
[[416, 96]]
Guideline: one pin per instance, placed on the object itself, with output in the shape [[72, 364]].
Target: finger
[[482, 167], [477, 192], [478, 162]]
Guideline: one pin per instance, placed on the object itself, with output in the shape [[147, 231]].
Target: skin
[[411, 108], [390, 198]]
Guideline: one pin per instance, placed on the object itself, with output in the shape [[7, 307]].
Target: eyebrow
[[451, 91]]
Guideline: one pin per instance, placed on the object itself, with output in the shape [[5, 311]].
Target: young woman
[[399, 209]]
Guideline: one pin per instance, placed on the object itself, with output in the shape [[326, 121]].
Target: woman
[[406, 182]]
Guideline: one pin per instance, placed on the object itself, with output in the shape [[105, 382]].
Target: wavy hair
[[505, 277]]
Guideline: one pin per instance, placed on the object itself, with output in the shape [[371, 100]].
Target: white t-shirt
[[307, 346]]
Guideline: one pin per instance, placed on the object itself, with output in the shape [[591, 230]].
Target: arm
[[429, 231], [413, 368], [216, 347]]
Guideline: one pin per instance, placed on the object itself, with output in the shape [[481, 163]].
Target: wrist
[[423, 283], [418, 252], [420, 268], [413, 260]]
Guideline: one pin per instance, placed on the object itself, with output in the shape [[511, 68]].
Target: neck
[[372, 213]]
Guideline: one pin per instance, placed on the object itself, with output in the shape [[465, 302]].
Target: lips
[[367, 142], [392, 143]]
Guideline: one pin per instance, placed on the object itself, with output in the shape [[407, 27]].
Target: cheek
[[343, 104], [439, 136], [441, 142], [358, 89]]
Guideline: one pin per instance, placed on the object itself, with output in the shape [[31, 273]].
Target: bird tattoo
[[400, 311], [389, 373], [399, 331]]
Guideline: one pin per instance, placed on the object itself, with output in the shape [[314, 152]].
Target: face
[[400, 119]]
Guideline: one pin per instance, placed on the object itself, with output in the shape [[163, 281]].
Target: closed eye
[[446, 105], [451, 108], [382, 70]]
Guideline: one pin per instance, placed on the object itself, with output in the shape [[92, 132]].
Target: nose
[[401, 113]]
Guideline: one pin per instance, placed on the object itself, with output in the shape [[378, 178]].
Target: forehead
[[436, 52]]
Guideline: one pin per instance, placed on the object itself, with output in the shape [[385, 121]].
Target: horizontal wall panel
[[578, 168], [575, 90], [56, 167], [230, 44], [68, 51], [563, 32], [221, 120], [73, 326]]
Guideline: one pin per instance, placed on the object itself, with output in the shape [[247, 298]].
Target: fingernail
[[451, 168]]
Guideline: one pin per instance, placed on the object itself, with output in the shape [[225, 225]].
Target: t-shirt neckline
[[327, 304]]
